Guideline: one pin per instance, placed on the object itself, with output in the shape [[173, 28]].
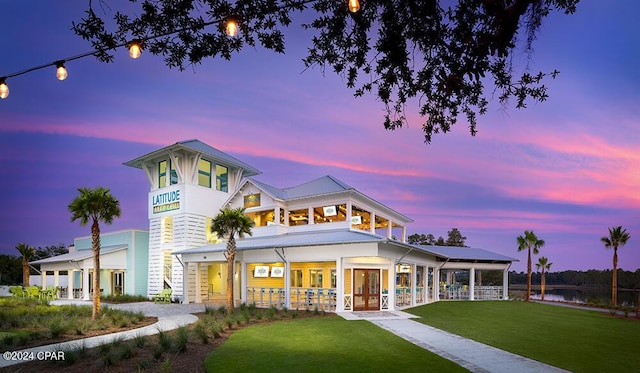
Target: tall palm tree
[[543, 263], [95, 206], [618, 237], [530, 242], [27, 253], [229, 223]]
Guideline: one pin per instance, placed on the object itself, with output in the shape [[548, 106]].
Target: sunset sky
[[567, 168]]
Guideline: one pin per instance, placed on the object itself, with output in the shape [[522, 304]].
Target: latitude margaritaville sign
[[166, 201]]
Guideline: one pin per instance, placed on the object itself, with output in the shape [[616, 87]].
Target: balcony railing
[[301, 298]]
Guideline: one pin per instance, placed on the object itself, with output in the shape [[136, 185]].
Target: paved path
[[472, 355], [170, 316]]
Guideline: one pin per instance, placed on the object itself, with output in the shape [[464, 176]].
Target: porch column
[[287, 284], [505, 284], [472, 283], [414, 284], [185, 283], [85, 284], [198, 285], [391, 283], [372, 222], [436, 284], [70, 284], [56, 278], [339, 286], [43, 277]]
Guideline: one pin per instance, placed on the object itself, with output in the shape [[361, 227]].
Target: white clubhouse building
[[320, 244]]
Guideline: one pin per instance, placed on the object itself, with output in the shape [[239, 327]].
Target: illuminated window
[[296, 278], [329, 214], [334, 278], [299, 217], [382, 225], [162, 174], [262, 218], [166, 229], [222, 178], [360, 219], [204, 173], [173, 174], [315, 276]]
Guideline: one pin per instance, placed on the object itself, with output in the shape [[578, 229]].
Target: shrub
[[201, 333], [182, 339]]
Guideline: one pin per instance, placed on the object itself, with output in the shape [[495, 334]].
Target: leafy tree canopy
[[454, 238], [446, 57]]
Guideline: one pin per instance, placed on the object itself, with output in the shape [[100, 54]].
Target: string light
[[135, 50], [4, 88], [135, 47], [232, 27], [354, 6], [61, 71]]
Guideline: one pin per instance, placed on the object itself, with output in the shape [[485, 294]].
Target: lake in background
[[588, 295]]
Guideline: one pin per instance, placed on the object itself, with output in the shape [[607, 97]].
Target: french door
[[366, 289]]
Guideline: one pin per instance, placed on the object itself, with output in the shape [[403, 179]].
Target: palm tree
[[618, 237], [543, 263], [529, 242], [228, 223], [27, 253], [95, 205]]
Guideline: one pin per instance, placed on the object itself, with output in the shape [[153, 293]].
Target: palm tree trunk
[[542, 284], [614, 284], [231, 255], [25, 272], [95, 237], [528, 276]]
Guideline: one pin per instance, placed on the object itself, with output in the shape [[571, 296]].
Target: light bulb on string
[[134, 49], [4, 88], [354, 6], [61, 71], [232, 27]]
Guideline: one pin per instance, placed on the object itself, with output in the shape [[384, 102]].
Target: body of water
[[588, 295]]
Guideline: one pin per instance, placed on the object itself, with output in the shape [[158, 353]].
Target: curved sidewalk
[[170, 316], [472, 355]]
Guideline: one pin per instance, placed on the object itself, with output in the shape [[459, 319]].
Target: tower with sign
[[190, 182]]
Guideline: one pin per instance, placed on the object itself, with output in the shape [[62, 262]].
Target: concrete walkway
[[170, 316], [472, 355]]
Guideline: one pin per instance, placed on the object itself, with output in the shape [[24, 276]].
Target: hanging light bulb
[[134, 49], [354, 6], [4, 88], [61, 71], [232, 27]]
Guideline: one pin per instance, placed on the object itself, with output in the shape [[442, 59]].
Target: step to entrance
[[376, 315]]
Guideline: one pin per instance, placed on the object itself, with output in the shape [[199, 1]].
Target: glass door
[[366, 289]]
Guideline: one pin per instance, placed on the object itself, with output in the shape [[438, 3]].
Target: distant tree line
[[11, 265], [592, 277], [454, 238]]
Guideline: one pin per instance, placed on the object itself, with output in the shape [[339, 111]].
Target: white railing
[[301, 298], [488, 292]]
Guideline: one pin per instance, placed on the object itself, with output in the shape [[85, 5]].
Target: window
[[360, 219], [334, 278], [162, 174], [204, 173], [315, 276], [222, 178], [296, 278], [262, 218], [212, 237], [166, 229], [299, 217], [329, 214]]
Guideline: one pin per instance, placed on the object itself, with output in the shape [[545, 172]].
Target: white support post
[[287, 284], [43, 277], [339, 285], [472, 283], [436, 284], [414, 285], [198, 285], [70, 283], [85, 283], [505, 284], [185, 283]]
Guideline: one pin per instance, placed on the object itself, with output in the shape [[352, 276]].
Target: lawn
[[329, 344], [576, 340]]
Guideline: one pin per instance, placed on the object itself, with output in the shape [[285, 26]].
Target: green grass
[[329, 344], [576, 340]]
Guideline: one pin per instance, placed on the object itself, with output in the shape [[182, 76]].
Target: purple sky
[[567, 168]]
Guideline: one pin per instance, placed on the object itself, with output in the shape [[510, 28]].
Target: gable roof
[[320, 186], [79, 255], [198, 146], [465, 253]]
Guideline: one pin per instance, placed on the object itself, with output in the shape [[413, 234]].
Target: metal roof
[[320, 186], [465, 253], [79, 255], [315, 238], [200, 147]]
